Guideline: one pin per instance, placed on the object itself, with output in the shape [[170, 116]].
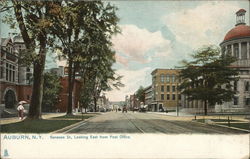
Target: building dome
[[238, 32]]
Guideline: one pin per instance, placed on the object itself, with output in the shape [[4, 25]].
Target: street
[[118, 122]]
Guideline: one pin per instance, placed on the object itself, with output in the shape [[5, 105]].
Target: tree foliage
[[51, 90], [208, 77], [34, 21], [85, 32], [81, 30], [140, 94]]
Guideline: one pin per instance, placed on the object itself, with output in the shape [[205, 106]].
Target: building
[[15, 79], [237, 43], [165, 95], [133, 102], [148, 97], [62, 104]]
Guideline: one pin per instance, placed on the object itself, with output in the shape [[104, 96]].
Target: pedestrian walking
[[20, 110]]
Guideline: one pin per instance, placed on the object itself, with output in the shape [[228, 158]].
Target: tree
[[33, 19], [84, 31], [140, 94], [51, 90], [208, 77]]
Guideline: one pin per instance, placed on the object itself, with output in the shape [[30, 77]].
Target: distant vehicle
[[124, 109], [142, 110], [135, 109], [162, 110], [102, 110]]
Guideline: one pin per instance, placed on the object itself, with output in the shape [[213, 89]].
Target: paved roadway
[[118, 122]]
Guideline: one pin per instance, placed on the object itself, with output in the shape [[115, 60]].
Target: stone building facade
[[237, 44]]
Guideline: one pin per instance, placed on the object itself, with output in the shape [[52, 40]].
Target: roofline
[[234, 39], [164, 69], [148, 87]]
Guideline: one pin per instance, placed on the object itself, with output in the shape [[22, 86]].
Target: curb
[[224, 126], [62, 130]]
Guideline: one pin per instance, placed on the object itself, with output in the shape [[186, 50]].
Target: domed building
[[237, 44]]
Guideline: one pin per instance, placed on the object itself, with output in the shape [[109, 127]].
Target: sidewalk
[[180, 114], [236, 121], [16, 119]]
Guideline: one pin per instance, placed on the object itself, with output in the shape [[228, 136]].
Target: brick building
[[63, 97], [15, 79], [165, 95]]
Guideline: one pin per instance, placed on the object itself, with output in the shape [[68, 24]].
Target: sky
[[159, 34]]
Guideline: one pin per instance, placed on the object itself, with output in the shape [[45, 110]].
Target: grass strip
[[245, 126], [42, 125]]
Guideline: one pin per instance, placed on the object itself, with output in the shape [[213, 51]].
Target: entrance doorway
[[10, 99]]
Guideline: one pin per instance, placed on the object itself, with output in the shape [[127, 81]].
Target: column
[[239, 50], [248, 50], [232, 48], [4, 67], [226, 51]]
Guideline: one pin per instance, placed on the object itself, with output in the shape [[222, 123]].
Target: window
[[229, 50], [173, 78], [179, 80], [10, 72], [168, 78], [162, 78], [247, 86], [27, 69], [236, 52], [162, 88], [235, 100], [154, 79], [162, 96], [235, 85], [173, 96], [1, 72], [168, 97], [179, 96], [173, 88], [28, 78], [247, 101], [7, 74], [14, 74], [168, 88]]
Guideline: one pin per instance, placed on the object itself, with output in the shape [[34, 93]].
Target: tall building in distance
[[148, 97], [237, 43], [165, 95]]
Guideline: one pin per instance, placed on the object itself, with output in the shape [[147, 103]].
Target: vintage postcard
[[125, 79]]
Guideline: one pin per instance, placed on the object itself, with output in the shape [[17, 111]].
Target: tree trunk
[[95, 104], [37, 90], [70, 88], [23, 30], [205, 107]]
